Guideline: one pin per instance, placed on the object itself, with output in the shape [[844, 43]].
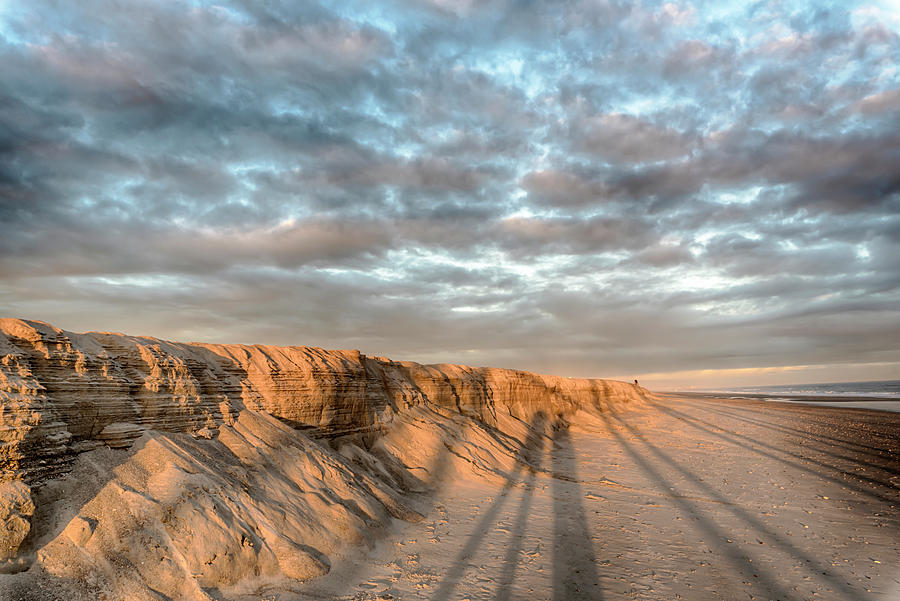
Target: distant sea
[[884, 389], [883, 394]]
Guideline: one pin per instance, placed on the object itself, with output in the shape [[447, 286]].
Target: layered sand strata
[[145, 469]]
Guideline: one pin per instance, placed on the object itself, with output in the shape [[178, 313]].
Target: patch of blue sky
[[370, 14], [373, 107], [877, 13], [516, 67], [642, 104], [10, 30], [407, 149]]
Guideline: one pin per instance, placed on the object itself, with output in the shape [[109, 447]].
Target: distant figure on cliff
[[635, 383]]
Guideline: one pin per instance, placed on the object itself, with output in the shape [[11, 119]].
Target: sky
[[690, 193]]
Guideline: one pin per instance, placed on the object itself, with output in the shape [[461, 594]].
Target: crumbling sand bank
[[135, 468], [142, 469]]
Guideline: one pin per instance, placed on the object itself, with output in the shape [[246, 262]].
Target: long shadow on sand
[[533, 455], [437, 472], [575, 575], [716, 538], [770, 582], [754, 446], [530, 448], [847, 445]]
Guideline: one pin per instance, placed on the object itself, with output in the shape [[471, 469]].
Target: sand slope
[[135, 468]]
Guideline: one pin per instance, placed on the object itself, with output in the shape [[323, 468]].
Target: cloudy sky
[[689, 193]]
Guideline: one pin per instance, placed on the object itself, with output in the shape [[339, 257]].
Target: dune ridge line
[[134, 467]]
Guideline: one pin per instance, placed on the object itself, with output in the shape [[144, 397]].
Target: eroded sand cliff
[[138, 468]]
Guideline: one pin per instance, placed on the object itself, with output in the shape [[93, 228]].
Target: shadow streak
[[715, 538], [461, 562], [802, 412], [533, 455], [814, 445], [732, 437], [822, 439], [575, 574], [814, 565]]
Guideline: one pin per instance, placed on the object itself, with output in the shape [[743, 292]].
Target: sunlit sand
[[697, 499], [137, 468]]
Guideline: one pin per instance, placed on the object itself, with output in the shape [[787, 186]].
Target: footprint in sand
[[534, 554]]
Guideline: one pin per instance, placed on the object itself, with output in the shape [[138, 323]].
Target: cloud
[[138, 247], [880, 102], [589, 188], [532, 236], [624, 138]]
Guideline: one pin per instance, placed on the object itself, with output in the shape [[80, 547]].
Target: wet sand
[[853, 402], [697, 499]]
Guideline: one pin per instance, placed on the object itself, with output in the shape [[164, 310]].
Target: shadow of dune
[[533, 455], [847, 445], [437, 472], [814, 565], [59, 500], [752, 445], [715, 537], [575, 574], [529, 450]]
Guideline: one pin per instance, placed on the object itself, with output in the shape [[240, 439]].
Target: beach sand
[[701, 499]]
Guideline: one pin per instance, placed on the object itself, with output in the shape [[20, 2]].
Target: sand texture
[[136, 468], [694, 499]]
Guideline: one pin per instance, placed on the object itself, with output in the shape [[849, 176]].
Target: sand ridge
[[144, 469], [164, 470]]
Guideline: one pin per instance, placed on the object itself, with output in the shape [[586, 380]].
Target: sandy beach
[[141, 469], [699, 499], [887, 403], [390, 300]]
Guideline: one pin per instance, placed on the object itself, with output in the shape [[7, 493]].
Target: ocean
[[883, 395], [885, 389]]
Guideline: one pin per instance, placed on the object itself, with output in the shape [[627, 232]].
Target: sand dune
[[136, 468]]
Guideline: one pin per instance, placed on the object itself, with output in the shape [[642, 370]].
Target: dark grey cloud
[[523, 237], [619, 138], [593, 188]]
